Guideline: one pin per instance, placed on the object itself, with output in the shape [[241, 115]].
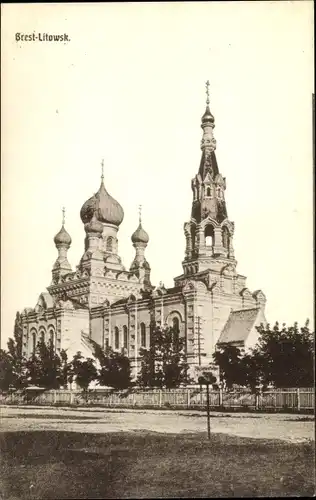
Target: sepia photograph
[[157, 244]]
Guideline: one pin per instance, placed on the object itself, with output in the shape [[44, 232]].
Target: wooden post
[[208, 411], [298, 400], [220, 395], [160, 394], [188, 398]]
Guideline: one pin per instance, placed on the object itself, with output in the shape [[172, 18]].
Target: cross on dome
[[102, 170], [207, 85]]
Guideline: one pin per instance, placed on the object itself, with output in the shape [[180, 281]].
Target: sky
[[129, 87]]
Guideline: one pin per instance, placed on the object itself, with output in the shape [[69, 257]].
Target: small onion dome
[[140, 235], [94, 226], [208, 117], [62, 238], [107, 209]]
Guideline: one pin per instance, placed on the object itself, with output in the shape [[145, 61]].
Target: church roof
[[87, 342], [238, 326]]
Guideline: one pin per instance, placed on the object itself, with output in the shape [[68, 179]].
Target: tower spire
[[63, 216]]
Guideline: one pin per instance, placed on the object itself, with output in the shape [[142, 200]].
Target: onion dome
[[107, 209], [62, 238], [94, 226], [140, 235], [208, 117]]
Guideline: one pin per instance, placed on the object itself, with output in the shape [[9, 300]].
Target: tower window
[[208, 191], [143, 335], [116, 338], [109, 244], [125, 336], [225, 237], [209, 236]]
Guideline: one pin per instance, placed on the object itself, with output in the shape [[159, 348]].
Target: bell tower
[[209, 233]]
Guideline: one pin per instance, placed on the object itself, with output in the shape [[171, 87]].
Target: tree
[[115, 369], [282, 357], [288, 355], [12, 363], [164, 363], [228, 358], [65, 368], [83, 371], [44, 366]]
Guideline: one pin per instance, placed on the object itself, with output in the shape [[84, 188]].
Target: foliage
[[288, 355], [164, 363], [44, 367], [115, 369], [282, 357], [228, 357], [12, 363], [82, 370]]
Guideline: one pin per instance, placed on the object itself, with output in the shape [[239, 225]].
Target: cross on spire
[[140, 213], [207, 92], [102, 170], [64, 215]]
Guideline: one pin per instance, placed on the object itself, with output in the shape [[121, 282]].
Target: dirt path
[[292, 428]]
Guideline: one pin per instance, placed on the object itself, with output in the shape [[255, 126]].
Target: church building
[[209, 304]]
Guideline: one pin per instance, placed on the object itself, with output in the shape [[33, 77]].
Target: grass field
[[56, 463]]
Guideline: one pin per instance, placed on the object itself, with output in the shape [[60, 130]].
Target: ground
[[53, 453]]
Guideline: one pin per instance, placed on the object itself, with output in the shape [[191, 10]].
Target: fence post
[[298, 399], [220, 395], [55, 397], [188, 398], [160, 394], [71, 397]]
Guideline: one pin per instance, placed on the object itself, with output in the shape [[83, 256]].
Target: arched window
[[51, 336], [176, 329], [143, 335], [116, 338], [208, 191], [34, 341], [225, 237], [109, 244], [209, 236], [125, 337], [42, 335]]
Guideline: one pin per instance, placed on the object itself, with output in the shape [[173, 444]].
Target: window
[[42, 336], [142, 335], [109, 244], [125, 336], [225, 237], [208, 191], [106, 343], [176, 329], [209, 236], [52, 337], [116, 338], [34, 340]]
